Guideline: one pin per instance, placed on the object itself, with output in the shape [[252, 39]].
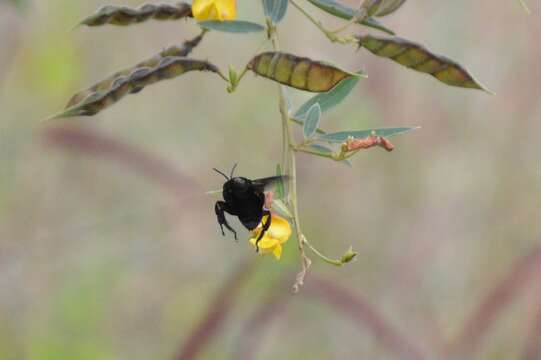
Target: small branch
[[289, 162], [322, 256], [300, 123], [331, 35], [235, 79], [360, 15], [314, 152]]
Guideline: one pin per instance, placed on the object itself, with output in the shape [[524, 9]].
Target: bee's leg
[[266, 227], [220, 209]]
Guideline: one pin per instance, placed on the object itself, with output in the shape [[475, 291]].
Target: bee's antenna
[[233, 170], [221, 173]]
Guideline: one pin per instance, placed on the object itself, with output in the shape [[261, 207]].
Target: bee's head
[[234, 186], [237, 187]]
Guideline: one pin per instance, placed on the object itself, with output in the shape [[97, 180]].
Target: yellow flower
[[214, 9], [278, 233]]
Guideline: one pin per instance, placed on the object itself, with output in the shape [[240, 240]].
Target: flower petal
[[228, 9], [278, 233], [214, 10], [277, 252], [266, 244]]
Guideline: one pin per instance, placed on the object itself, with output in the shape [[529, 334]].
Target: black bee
[[245, 199]]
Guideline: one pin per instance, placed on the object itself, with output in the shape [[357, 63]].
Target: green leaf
[[275, 9], [312, 121], [329, 99], [233, 26], [280, 190], [340, 137], [344, 12]]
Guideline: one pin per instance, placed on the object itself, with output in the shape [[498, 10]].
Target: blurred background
[[109, 247]]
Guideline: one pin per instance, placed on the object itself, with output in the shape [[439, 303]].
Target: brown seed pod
[[298, 72], [106, 93], [104, 85], [368, 142], [417, 57], [123, 16]]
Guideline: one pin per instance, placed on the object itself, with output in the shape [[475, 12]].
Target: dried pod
[[106, 93], [417, 57], [386, 144], [104, 85], [298, 72], [123, 16], [353, 144]]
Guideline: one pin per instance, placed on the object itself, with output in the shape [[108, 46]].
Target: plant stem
[[289, 150], [334, 156], [301, 123], [331, 35], [361, 15], [289, 163], [322, 256]]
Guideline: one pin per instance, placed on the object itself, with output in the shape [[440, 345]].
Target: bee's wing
[[269, 183]]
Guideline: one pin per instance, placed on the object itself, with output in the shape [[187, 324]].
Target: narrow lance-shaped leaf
[[344, 12], [312, 121], [123, 16], [329, 99], [280, 189], [106, 84], [417, 57], [342, 136], [389, 6], [275, 9], [298, 72], [104, 96], [232, 26]]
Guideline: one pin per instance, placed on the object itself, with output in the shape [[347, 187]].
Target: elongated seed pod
[[417, 57], [123, 16], [108, 92], [298, 72], [104, 85]]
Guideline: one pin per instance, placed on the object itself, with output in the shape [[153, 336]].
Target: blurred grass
[[98, 262]]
